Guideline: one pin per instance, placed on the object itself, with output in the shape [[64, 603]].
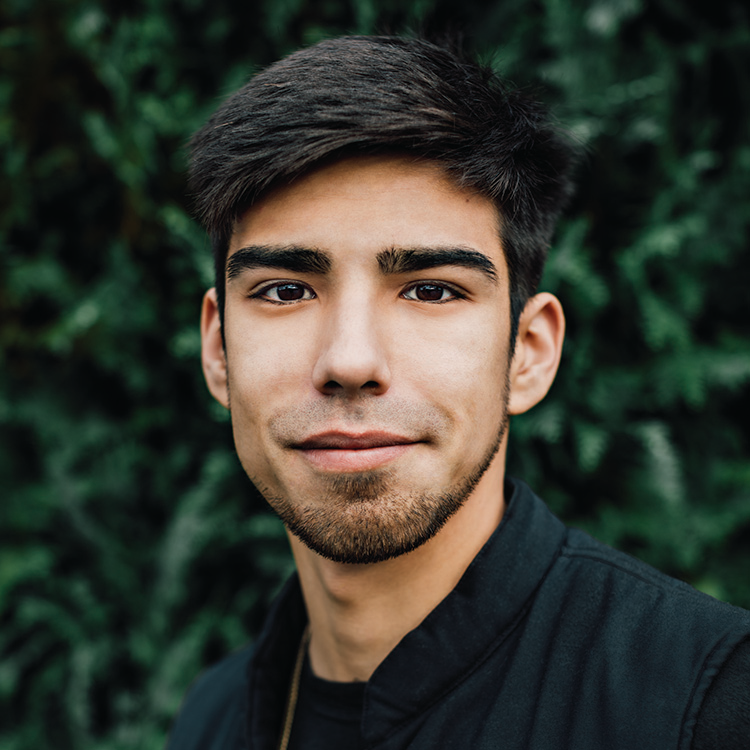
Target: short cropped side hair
[[379, 95]]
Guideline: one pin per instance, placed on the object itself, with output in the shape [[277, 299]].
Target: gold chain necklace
[[291, 701]]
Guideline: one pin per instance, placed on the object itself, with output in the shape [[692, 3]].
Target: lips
[[342, 452], [351, 442]]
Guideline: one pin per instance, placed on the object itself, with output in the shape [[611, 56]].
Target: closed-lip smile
[[340, 452], [351, 441]]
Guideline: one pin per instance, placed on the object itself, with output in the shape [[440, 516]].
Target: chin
[[365, 518]]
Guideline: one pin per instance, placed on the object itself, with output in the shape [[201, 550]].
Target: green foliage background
[[132, 549]]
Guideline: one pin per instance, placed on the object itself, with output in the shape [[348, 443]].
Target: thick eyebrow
[[289, 258], [406, 260]]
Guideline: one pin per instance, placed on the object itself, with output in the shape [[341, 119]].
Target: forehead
[[364, 205]]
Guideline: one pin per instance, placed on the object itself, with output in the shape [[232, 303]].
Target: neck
[[359, 613]]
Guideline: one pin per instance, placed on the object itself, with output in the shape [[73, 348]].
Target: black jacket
[[550, 641]]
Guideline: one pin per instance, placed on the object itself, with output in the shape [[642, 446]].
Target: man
[[380, 210]]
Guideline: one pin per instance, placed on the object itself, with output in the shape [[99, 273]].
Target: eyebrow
[[390, 262], [407, 260], [289, 258]]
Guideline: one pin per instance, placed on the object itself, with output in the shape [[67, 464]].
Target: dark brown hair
[[367, 95]]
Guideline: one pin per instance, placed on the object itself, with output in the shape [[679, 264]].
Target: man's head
[[364, 315], [386, 95]]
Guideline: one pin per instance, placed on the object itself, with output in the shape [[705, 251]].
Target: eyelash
[[263, 292], [438, 285]]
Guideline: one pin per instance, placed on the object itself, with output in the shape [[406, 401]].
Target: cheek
[[464, 367], [262, 373], [262, 382], [265, 372]]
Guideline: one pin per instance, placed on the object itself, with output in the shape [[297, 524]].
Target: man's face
[[367, 329]]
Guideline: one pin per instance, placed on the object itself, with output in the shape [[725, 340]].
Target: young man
[[380, 211]]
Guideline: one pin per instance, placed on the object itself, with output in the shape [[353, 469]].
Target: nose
[[352, 359]]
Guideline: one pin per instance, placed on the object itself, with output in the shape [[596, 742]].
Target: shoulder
[[629, 580], [634, 603], [674, 642], [212, 714]]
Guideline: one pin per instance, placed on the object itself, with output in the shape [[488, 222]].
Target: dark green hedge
[[132, 550]]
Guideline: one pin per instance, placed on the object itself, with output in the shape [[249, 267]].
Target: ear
[[213, 356], [541, 330]]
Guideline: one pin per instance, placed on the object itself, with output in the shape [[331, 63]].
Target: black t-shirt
[[328, 714]]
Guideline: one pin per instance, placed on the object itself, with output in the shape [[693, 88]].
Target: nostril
[[333, 386]]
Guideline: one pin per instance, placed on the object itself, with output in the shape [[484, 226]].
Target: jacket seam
[[656, 582], [682, 739]]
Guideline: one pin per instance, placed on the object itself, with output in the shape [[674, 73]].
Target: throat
[[349, 642]]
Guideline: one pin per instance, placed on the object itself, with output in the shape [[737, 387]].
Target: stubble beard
[[363, 519]]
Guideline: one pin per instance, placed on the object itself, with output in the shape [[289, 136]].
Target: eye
[[284, 293], [427, 291]]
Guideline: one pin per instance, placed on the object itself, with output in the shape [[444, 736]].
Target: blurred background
[[133, 551]]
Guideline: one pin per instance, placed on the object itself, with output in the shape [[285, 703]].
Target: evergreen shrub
[[133, 551]]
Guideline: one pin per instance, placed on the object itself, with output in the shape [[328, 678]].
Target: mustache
[[418, 421]]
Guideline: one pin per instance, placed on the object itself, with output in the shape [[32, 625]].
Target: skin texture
[[369, 393]]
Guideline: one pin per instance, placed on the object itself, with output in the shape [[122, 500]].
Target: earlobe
[[213, 356], [541, 331]]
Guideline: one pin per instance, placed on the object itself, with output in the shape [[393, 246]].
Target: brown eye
[[286, 292], [427, 292], [290, 292]]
